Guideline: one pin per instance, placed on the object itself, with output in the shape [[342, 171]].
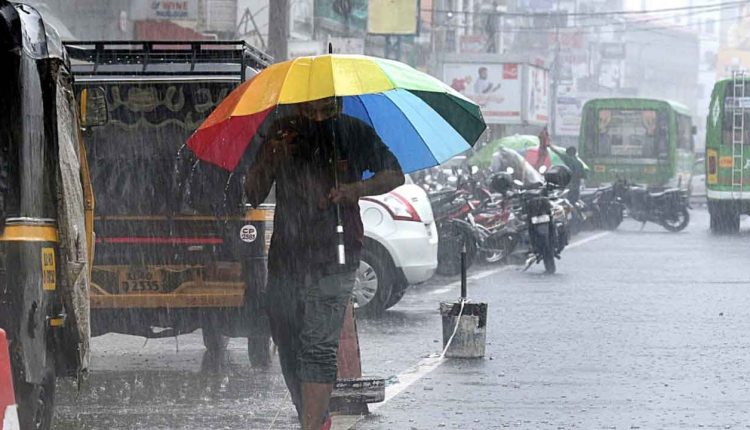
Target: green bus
[[646, 141], [727, 135]]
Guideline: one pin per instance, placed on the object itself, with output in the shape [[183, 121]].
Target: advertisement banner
[[568, 116], [392, 16], [141, 10], [496, 88], [537, 90]]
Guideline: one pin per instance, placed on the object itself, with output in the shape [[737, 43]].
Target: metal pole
[[278, 34], [463, 270]]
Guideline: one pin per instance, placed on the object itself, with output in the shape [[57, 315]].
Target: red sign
[[510, 71]]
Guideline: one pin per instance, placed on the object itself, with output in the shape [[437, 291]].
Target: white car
[[400, 247]]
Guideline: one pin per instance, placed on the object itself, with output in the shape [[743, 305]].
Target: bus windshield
[[631, 134]]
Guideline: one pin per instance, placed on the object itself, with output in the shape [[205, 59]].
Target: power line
[[593, 14], [525, 29], [614, 31]]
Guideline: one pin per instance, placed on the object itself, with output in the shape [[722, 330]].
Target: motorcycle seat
[[662, 193], [441, 198]]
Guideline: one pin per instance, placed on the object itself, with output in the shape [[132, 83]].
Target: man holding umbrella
[[319, 126], [317, 159]]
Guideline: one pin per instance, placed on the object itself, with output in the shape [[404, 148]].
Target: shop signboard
[[183, 10]]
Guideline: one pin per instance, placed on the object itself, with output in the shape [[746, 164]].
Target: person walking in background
[[577, 170]]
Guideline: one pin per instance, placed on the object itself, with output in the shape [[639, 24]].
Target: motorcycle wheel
[[611, 217], [499, 248], [450, 242], [548, 256], [677, 221], [544, 246]]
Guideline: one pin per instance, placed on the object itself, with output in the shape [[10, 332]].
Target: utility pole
[[555, 73], [278, 28]]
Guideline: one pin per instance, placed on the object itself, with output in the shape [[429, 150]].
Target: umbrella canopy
[[519, 143], [526, 145], [422, 120]]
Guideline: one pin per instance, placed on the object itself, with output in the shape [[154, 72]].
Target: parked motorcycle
[[451, 209], [470, 216], [599, 208], [668, 208], [546, 223]]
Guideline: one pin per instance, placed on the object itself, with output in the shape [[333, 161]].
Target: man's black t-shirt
[[304, 238]]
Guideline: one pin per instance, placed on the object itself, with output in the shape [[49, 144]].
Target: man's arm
[[262, 174], [374, 156], [380, 183]]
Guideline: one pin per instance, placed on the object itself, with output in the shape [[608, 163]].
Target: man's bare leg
[[315, 398]]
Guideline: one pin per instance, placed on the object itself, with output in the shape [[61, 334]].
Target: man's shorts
[[306, 319]]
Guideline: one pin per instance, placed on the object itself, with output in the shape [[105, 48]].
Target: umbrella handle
[[340, 247]]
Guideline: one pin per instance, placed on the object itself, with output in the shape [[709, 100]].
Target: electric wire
[[586, 14]]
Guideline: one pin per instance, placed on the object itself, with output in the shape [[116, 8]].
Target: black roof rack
[[138, 55]]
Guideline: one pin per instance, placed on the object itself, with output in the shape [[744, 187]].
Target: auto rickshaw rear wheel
[[36, 402], [213, 340], [259, 349]]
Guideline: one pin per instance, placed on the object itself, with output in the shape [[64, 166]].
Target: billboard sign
[[496, 88], [507, 93], [392, 16], [537, 90]]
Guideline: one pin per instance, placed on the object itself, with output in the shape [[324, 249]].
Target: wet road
[[639, 329]]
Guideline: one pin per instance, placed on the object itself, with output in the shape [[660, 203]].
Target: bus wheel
[[36, 402], [725, 219]]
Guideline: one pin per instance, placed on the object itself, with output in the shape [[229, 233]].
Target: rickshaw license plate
[[140, 281]]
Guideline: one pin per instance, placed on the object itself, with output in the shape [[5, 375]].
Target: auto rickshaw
[[46, 213]]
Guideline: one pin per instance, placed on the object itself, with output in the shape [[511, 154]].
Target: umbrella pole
[[339, 225]]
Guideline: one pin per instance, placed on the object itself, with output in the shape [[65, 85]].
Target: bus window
[[632, 133], [684, 133], [729, 104]]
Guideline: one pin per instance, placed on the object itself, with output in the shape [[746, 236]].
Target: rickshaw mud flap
[[74, 244]]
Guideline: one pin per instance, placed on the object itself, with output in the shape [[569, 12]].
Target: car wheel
[[373, 282]]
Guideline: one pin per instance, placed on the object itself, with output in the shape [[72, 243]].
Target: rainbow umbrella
[[422, 120]]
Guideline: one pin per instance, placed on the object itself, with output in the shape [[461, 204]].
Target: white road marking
[[489, 272], [409, 377], [589, 239]]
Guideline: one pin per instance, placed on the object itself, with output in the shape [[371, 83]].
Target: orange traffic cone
[[352, 392], [8, 408]]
